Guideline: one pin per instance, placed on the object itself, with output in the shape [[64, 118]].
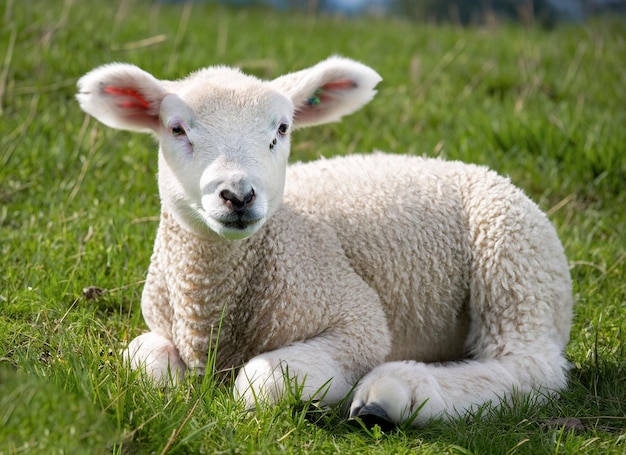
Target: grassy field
[[79, 208]]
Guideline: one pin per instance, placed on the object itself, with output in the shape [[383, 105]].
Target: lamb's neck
[[213, 252]]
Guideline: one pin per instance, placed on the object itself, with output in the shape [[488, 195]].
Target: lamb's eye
[[178, 130], [283, 128]]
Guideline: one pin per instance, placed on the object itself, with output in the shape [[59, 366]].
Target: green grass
[[78, 208]]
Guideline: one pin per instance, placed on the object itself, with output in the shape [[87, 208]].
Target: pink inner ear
[[341, 84], [137, 101]]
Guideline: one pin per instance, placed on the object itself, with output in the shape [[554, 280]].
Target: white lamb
[[434, 287]]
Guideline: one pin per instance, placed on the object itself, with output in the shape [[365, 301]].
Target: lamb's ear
[[329, 90], [122, 96]]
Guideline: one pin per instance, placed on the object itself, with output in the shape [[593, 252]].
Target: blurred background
[[465, 12]]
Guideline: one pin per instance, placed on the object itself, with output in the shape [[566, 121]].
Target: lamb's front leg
[[157, 356], [396, 391], [324, 368], [155, 352]]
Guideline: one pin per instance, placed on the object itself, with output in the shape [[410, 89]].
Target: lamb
[[417, 288]]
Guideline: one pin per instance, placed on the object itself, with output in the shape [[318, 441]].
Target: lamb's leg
[[519, 305], [157, 356], [322, 368], [394, 391]]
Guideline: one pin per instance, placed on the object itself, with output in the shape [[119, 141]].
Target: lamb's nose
[[237, 201]]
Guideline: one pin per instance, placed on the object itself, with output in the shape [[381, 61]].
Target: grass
[[78, 207]]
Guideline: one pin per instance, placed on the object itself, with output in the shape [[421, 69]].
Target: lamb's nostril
[[238, 201], [249, 198]]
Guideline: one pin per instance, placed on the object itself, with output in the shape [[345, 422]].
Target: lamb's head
[[223, 135]]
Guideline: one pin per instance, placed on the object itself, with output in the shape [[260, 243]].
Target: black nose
[[237, 201]]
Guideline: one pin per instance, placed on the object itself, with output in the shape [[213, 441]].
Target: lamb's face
[[224, 136], [223, 155]]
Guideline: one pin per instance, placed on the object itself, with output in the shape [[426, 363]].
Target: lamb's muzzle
[[241, 214]]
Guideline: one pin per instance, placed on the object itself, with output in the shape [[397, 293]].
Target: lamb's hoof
[[372, 414]]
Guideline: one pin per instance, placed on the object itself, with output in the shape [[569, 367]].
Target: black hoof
[[372, 414]]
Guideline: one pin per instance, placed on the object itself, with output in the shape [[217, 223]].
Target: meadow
[[79, 210]]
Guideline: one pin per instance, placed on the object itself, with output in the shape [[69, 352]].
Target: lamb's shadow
[[335, 419]]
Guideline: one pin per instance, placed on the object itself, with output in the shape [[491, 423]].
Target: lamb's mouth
[[238, 228], [240, 224]]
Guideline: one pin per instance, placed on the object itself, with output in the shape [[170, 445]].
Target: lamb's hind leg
[[395, 391], [157, 356], [520, 309]]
